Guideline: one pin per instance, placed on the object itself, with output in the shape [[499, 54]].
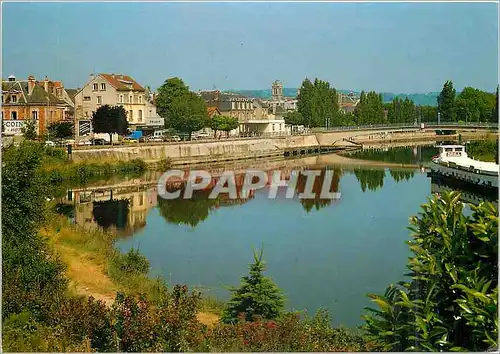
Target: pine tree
[[257, 295], [494, 113]]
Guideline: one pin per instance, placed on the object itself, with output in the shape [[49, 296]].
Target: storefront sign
[[13, 127]]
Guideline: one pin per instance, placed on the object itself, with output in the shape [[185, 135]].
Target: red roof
[[211, 111], [121, 82]]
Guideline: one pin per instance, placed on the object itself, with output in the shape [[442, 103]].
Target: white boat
[[454, 163]]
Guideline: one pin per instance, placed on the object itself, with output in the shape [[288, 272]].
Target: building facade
[[45, 101], [116, 89]]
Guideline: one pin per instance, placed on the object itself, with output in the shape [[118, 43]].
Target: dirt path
[[87, 277]]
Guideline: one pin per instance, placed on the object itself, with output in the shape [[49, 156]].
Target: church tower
[[277, 91]]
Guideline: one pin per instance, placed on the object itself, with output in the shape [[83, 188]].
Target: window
[[86, 98], [103, 87], [95, 87], [121, 99], [273, 127], [34, 115], [130, 115], [140, 115], [130, 99], [13, 115], [448, 149], [140, 99], [99, 99], [14, 99]]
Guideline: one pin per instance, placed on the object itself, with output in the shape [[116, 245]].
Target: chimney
[[46, 84], [31, 84]]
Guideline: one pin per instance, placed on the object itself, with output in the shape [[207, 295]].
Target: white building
[[116, 89]]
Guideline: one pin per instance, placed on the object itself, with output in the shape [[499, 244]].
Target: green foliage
[[110, 119], [402, 111], [288, 333], [29, 129], [371, 179], [484, 150], [318, 103], [131, 262], [257, 295], [187, 211], [370, 109], [427, 113], [473, 105], [32, 277], [294, 118], [446, 103], [187, 113], [401, 175], [223, 123], [171, 88], [450, 304], [494, 111], [61, 130]]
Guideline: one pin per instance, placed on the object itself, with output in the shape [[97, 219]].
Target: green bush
[[130, 263], [451, 302]]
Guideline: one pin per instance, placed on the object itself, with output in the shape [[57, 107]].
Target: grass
[[93, 267]]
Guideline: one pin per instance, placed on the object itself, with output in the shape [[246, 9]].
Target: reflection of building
[[140, 200]]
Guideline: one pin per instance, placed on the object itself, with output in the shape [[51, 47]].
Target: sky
[[387, 47]]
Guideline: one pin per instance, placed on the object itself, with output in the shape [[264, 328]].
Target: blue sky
[[396, 47]]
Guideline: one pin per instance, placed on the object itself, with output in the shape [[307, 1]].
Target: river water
[[321, 253]]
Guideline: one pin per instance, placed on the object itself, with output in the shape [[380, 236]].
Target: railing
[[409, 126], [254, 135]]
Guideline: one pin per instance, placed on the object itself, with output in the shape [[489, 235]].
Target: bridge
[[414, 126]]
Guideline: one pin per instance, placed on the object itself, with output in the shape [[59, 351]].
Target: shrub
[[130, 263], [451, 302]]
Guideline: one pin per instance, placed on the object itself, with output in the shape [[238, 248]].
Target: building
[[289, 104], [45, 101], [348, 102], [116, 89]]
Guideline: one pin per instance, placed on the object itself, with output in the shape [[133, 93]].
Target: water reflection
[[401, 175], [371, 178], [468, 193], [402, 155], [317, 202], [120, 208]]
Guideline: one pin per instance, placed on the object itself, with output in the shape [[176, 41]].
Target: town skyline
[[399, 48]]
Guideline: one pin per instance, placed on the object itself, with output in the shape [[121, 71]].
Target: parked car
[[100, 141], [155, 139], [129, 140], [174, 138], [84, 143], [50, 143]]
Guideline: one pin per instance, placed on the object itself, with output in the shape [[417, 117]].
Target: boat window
[[458, 149], [448, 149]]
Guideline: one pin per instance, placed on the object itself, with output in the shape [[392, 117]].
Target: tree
[[318, 104], [61, 130], [171, 88], [257, 295], [223, 123], [187, 113], [110, 119], [294, 118], [473, 105], [494, 111], [29, 129], [370, 109], [450, 302], [446, 102]]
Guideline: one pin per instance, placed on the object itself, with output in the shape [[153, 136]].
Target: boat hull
[[470, 177]]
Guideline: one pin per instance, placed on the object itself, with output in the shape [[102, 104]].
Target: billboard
[[13, 127], [84, 127]]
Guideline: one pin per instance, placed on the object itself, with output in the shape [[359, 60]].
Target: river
[[321, 253]]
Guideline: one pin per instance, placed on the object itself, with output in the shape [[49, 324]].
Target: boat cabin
[[452, 151]]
